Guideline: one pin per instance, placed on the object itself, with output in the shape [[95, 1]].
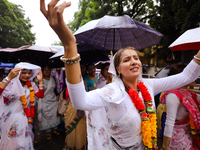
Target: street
[[58, 141]]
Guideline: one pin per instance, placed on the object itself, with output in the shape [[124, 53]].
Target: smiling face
[[25, 75], [130, 65], [91, 70]]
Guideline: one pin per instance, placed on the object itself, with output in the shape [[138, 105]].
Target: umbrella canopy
[[115, 32], [35, 54], [189, 40], [88, 53]]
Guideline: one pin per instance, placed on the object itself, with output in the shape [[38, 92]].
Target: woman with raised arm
[[121, 114], [17, 100]]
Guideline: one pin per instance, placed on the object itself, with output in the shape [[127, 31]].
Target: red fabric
[[5, 100], [184, 121], [40, 93], [67, 93], [1, 90]]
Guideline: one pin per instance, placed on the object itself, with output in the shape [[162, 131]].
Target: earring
[[119, 75]]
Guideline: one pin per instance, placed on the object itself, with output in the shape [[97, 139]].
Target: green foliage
[[15, 30], [59, 43], [173, 19], [141, 10]]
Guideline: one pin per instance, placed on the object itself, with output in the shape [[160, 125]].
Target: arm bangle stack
[[197, 58], [71, 61], [41, 86], [5, 81]]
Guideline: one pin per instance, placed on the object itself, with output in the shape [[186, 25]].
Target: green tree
[[173, 19], [141, 10], [15, 30]]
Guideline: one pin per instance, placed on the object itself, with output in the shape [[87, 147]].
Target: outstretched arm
[[54, 15]]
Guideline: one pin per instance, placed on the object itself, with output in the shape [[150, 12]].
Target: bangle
[[5, 81], [197, 58], [72, 60]]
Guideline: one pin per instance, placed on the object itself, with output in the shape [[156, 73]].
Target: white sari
[[16, 133]]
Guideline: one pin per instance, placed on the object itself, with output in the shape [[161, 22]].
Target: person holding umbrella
[[17, 105], [121, 114]]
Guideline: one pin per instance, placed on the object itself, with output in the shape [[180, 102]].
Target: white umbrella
[[189, 40]]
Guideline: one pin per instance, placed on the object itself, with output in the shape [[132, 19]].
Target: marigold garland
[[148, 116], [194, 132], [29, 113]]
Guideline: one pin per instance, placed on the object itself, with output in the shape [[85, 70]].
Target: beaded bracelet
[[71, 60], [197, 58]]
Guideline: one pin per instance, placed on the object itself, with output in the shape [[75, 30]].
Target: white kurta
[[112, 113]]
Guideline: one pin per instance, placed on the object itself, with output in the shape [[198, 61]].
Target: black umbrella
[[88, 53], [35, 54]]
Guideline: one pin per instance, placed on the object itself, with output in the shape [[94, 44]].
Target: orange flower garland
[[148, 116], [194, 132], [29, 113]]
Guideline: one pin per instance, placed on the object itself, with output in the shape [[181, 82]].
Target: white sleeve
[[172, 103], [83, 100], [189, 74]]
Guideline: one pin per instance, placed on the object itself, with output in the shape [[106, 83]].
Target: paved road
[[57, 142]]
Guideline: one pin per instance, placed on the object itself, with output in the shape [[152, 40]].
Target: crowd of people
[[111, 110], [47, 84]]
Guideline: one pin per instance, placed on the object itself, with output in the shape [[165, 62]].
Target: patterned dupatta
[[189, 100]]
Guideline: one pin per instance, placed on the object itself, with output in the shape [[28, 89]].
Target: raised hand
[[39, 75], [54, 15], [14, 72]]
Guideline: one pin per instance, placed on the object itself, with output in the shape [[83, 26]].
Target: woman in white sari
[[121, 114], [17, 106]]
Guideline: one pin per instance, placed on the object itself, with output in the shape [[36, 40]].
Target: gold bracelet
[[71, 60]]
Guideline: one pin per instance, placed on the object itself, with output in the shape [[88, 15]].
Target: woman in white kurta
[[113, 120], [15, 131]]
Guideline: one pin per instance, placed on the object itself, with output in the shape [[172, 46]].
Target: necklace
[[148, 115], [29, 113]]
